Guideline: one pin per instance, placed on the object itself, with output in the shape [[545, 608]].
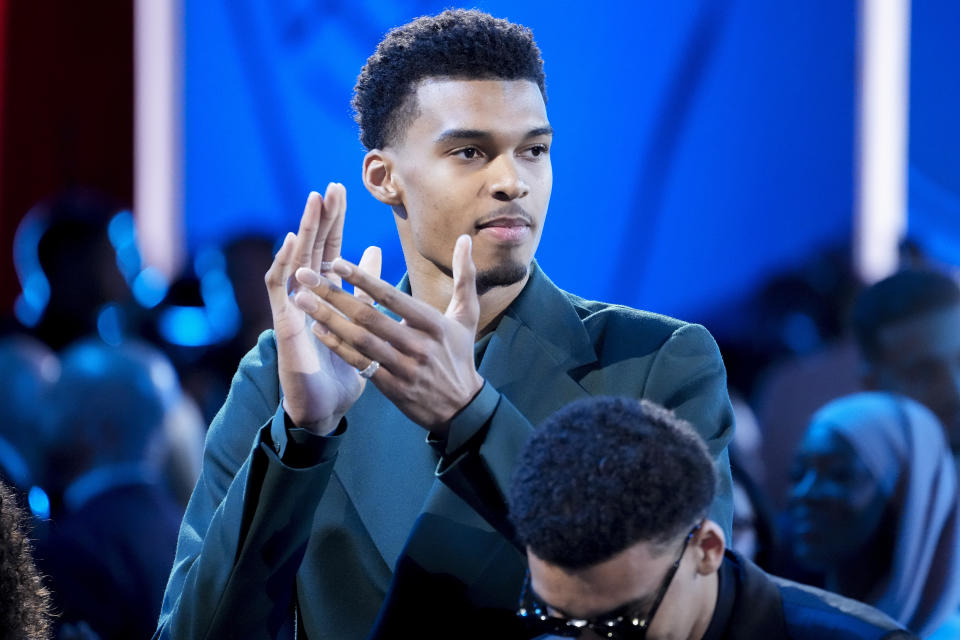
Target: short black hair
[[458, 43], [25, 609], [603, 474], [906, 294]]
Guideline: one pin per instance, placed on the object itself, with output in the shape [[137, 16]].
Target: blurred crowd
[[845, 458]]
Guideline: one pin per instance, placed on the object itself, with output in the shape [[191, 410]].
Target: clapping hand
[[318, 385], [425, 364]]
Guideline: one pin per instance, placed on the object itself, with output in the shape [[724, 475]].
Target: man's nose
[[506, 183]]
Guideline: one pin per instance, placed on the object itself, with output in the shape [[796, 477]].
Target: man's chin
[[501, 275]]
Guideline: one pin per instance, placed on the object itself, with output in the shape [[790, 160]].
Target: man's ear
[[379, 178], [710, 543]]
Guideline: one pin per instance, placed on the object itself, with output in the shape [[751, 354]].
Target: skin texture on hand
[[427, 364], [318, 386]]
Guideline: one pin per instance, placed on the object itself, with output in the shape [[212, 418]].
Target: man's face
[[628, 582], [920, 358], [475, 160], [836, 505]]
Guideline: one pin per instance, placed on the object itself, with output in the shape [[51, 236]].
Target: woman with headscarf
[[875, 505]]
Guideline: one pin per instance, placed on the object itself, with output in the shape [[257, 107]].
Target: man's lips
[[506, 231], [511, 215], [507, 226], [504, 222]]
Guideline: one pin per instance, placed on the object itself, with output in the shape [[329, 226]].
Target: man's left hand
[[426, 361]]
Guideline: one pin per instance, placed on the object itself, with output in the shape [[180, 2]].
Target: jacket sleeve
[[249, 517], [686, 374]]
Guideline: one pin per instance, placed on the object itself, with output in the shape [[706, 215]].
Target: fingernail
[[308, 277], [305, 301], [341, 267]]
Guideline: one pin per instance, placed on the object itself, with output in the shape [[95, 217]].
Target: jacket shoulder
[[626, 328], [814, 613], [596, 312]]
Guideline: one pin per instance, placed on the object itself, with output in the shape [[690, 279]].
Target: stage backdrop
[[700, 145], [934, 178]]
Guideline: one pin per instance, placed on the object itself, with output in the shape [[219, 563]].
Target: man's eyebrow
[[540, 131], [479, 134], [463, 134]]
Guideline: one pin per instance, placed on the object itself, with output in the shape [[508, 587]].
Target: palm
[[312, 377], [318, 386]]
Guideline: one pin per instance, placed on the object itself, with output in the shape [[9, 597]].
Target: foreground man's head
[[610, 499]]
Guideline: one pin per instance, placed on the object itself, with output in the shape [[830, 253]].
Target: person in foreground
[[25, 610], [610, 497], [875, 506], [336, 508]]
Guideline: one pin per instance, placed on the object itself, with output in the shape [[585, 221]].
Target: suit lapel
[[385, 466], [537, 343]]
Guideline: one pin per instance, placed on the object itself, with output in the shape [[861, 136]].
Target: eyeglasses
[[619, 624]]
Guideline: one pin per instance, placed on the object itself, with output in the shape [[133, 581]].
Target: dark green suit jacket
[[336, 516]]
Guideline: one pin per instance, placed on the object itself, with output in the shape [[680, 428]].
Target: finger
[[370, 263], [416, 313], [335, 210], [325, 223], [352, 342], [278, 274], [464, 306], [403, 337], [309, 226], [344, 351], [382, 377]]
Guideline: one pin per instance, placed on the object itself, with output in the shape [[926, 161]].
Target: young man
[[610, 497], [354, 508]]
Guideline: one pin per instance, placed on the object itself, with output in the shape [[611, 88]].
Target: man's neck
[[708, 604], [436, 288]]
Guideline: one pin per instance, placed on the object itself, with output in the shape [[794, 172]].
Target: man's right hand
[[318, 386]]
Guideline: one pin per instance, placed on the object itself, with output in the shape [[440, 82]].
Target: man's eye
[[538, 150], [468, 153]]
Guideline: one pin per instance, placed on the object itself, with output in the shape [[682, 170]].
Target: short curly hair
[[458, 43], [904, 295], [603, 474], [24, 601]]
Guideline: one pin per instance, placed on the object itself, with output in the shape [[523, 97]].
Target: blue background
[[700, 146]]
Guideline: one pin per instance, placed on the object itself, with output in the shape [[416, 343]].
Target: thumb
[[464, 306]]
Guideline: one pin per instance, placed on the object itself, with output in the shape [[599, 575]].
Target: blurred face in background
[[835, 503], [920, 358]]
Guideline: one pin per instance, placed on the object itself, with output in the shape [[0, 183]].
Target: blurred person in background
[[247, 259], [180, 448], [28, 369], [875, 506], [112, 541], [80, 264], [25, 609], [610, 498], [908, 329], [754, 524]]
